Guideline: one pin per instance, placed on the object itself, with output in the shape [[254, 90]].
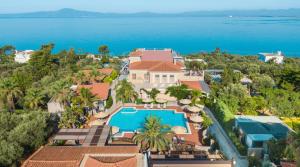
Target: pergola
[[94, 136]]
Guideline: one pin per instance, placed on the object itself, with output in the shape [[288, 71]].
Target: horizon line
[[153, 12]]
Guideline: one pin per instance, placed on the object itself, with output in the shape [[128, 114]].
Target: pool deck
[[195, 138]]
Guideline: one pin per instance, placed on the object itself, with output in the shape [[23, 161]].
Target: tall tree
[[34, 98], [9, 93], [125, 92], [154, 135], [103, 49], [86, 97]]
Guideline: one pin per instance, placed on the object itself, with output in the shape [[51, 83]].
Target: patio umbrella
[[193, 109], [196, 118], [166, 96], [101, 115], [147, 100], [179, 129], [185, 101], [200, 106], [160, 100], [115, 130], [96, 123]]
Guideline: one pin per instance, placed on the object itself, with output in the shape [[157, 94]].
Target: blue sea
[[238, 35]]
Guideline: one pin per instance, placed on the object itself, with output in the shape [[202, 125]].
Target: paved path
[[224, 141]]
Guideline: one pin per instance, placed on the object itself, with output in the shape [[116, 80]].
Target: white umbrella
[[193, 109], [96, 123], [115, 130], [166, 96], [159, 100], [101, 115], [185, 101], [196, 118], [179, 129], [200, 106]]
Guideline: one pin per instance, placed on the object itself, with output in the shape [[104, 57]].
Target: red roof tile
[[100, 90], [113, 162], [106, 71], [64, 156], [192, 84], [153, 55], [155, 66]]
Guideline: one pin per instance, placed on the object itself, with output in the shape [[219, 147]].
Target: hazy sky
[[16, 6]]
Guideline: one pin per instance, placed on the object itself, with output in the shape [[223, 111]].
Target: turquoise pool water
[[131, 119]]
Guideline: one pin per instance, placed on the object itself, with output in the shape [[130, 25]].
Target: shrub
[[109, 102]]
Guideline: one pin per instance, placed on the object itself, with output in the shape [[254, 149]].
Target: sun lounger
[[145, 106], [153, 156], [158, 106]]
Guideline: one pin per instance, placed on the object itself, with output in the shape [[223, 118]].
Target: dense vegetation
[[274, 90], [25, 90]]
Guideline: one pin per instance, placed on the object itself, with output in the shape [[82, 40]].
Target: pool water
[[131, 119]]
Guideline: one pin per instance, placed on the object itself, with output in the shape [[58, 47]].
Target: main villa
[[160, 69]]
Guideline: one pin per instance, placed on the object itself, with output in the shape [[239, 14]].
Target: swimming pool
[[132, 119]]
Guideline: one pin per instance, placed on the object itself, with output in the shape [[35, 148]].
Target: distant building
[[100, 90], [276, 57], [256, 131], [23, 56]]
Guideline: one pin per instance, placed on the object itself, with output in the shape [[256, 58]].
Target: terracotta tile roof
[[106, 71], [153, 55], [100, 90], [111, 162], [192, 85], [136, 53], [155, 66], [56, 156]]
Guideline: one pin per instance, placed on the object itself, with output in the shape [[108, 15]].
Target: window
[[172, 78], [164, 79], [146, 77], [133, 76], [157, 79]]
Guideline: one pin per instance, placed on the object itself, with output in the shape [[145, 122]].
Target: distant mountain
[[72, 13]]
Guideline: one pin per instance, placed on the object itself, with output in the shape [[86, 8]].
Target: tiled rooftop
[[100, 90], [52, 156], [153, 55], [155, 66]]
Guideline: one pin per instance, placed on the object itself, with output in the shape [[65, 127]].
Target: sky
[[130, 6]]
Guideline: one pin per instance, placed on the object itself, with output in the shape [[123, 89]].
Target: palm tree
[[34, 98], [195, 96], [9, 92], [86, 97], [154, 136], [95, 75], [125, 92], [81, 78], [293, 147], [63, 96], [153, 93]]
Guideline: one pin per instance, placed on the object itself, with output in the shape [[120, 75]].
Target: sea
[[236, 35]]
